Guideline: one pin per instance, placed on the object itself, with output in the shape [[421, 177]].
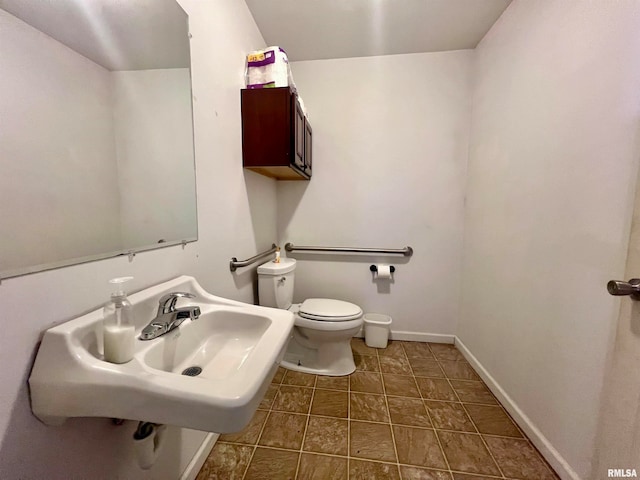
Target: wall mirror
[[96, 131]]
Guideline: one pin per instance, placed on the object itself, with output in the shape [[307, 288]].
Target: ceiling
[[319, 29], [117, 34]]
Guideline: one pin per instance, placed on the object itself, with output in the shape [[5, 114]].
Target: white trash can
[[376, 329]]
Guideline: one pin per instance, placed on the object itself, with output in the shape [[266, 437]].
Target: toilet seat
[[328, 326], [329, 310]]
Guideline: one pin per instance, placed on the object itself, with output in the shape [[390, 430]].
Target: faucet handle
[[167, 302]]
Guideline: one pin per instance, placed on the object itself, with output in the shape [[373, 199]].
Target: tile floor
[[413, 411]]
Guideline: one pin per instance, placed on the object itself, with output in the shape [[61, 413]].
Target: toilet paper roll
[[384, 271], [147, 442]]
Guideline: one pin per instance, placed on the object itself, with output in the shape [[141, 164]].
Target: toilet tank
[[275, 283]]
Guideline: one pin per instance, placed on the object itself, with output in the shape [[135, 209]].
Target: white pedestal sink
[[236, 348]]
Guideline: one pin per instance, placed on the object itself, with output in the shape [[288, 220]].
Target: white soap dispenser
[[119, 329]]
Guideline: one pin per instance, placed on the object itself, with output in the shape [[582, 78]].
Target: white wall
[[236, 215], [56, 129], [390, 151], [154, 144], [552, 167]]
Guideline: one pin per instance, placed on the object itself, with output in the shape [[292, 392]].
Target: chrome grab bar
[[406, 251], [234, 264]]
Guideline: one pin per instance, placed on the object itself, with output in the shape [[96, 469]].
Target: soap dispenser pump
[[119, 329]]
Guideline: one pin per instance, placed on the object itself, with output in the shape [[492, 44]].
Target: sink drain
[[192, 371]]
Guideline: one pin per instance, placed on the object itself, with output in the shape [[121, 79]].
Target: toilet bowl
[[321, 338]]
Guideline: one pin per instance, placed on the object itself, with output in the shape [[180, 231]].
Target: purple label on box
[[269, 58]]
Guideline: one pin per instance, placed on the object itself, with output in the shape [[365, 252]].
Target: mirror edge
[[19, 272]]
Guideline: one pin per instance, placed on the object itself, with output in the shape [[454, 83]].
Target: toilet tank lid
[[329, 308], [286, 265]]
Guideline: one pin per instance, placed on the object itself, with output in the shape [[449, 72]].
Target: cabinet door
[[298, 142], [308, 144], [267, 116]]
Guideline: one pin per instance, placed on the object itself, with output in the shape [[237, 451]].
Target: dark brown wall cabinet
[[276, 137]]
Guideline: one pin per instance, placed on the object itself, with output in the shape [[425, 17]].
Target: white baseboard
[[541, 442], [196, 463], [423, 337], [416, 337]]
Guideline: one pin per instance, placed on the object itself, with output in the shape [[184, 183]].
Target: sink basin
[[219, 343], [208, 374]]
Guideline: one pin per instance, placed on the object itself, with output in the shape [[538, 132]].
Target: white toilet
[[321, 341]]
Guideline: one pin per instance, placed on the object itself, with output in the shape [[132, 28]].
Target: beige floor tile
[[518, 459], [372, 441], [358, 346], [327, 435], [449, 416], [269, 397], [408, 411], [436, 389], [419, 473], [394, 349], [366, 382], [400, 385], [322, 467], [397, 365], [368, 406], [250, 434], [418, 446], [333, 383], [299, 378], [330, 403], [443, 351], [459, 370], [279, 375], [269, 464], [283, 430], [292, 399], [473, 392], [364, 470], [467, 476], [417, 349], [425, 367], [466, 453], [226, 462], [492, 420], [367, 363]]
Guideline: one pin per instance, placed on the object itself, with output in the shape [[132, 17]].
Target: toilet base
[[334, 359]]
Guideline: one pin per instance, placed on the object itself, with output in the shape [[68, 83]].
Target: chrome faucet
[[169, 317]]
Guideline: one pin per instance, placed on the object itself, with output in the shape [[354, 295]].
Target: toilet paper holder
[[374, 268]]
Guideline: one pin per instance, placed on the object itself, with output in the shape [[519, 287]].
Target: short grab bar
[[406, 251], [234, 264]]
